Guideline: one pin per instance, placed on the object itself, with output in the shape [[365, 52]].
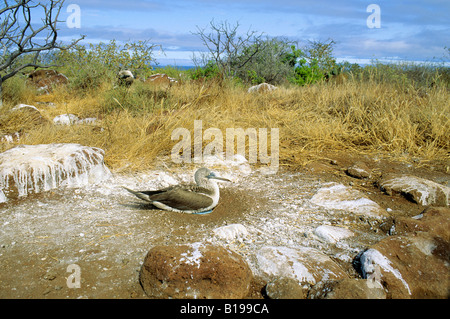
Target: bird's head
[[205, 173]]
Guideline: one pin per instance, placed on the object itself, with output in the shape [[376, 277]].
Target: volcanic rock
[[195, 271]]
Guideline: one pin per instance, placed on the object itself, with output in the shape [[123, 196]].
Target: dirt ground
[[107, 232]]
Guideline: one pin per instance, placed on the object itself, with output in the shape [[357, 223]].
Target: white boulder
[[304, 264], [332, 234], [263, 87], [65, 119], [36, 168], [420, 190], [341, 197]]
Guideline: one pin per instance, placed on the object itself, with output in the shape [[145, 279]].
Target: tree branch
[[18, 35]]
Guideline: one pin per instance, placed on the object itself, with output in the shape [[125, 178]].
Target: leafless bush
[[20, 35]]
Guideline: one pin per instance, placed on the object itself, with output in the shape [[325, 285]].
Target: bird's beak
[[213, 176]]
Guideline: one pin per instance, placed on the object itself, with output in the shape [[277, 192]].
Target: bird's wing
[[141, 195], [181, 198]]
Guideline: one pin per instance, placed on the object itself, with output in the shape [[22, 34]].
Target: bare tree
[[19, 35], [272, 62], [322, 53], [225, 46]]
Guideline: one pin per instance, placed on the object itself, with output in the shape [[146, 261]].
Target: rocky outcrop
[[341, 197], [305, 265], [195, 271], [36, 168], [46, 79], [418, 190]]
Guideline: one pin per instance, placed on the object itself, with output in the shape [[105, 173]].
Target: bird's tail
[[139, 194]]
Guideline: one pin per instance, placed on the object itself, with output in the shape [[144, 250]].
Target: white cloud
[[378, 45]]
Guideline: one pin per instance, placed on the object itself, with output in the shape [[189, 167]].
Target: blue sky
[[409, 30]]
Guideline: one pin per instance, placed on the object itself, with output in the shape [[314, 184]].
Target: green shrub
[[210, 70], [306, 73], [254, 77], [89, 67], [270, 60]]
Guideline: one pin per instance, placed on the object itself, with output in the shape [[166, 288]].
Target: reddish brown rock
[[359, 170], [410, 266], [435, 220], [45, 79], [284, 288], [160, 80], [194, 271], [353, 288]]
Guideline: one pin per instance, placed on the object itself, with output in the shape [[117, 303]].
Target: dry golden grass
[[359, 117]]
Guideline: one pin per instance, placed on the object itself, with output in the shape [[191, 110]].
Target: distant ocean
[[180, 67], [361, 62]]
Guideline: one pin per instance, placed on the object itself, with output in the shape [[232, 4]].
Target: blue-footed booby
[[191, 199]]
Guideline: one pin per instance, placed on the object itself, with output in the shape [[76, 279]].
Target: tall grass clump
[[140, 98], [16, 91], [407, 74]]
